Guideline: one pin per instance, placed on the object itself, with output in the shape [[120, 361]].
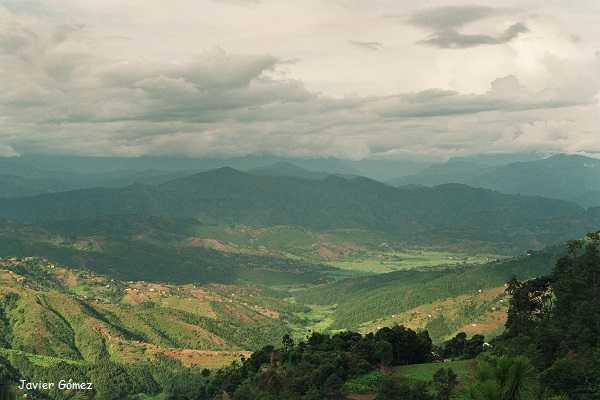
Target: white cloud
[[68, 86]]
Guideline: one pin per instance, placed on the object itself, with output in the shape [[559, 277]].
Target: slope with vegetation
[[140, 337], [79, 315], [443, 300], [444, 214], [152, 249]]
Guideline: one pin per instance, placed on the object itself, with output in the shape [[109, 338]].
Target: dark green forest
[[446, 213]]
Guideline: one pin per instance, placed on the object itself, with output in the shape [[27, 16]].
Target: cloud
[[373, 46], [446, 22], [454, 17], [506, 94], [454, 40], [239, 2], [66, 90]]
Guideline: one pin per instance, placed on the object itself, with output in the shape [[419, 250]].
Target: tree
[[408, 346], [111, 380], [574, 376], [474, 346], [288, 342], [576, 284], [531, 304], [445, 382], [455, 347], [7, 392], [516, 377], [333, 387], [555, 320], [390, 389], [8, 376], [384, 353], [271, 381], [504, 378]]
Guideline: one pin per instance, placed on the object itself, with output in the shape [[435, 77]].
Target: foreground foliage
[[555, 322]]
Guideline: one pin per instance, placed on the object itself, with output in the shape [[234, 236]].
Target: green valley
[[299, 200], [118, 287]]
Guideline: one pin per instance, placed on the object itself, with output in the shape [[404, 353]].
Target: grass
[[368, 383], [363, 384], [474, 313], [38, 360], [317, 319], [82, 290], [160, 396], [190, 305], [383, 262], [425, 372], [346, 249]]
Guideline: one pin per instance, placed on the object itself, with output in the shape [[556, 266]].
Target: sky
[[352, 79]]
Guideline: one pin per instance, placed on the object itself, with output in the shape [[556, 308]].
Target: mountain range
[[568, 177], [39, 174], [442, 213]]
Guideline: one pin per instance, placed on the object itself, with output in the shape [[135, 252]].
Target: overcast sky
[[343, 78]]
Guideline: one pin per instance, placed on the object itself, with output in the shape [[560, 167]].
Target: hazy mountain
[[77, 169], [283, 168], [447, 212], [568, 177], [18, 186], [498, 159], [385, 170], [589, 199], [453, 171], [55, 166], [462, 169], [560, 176]]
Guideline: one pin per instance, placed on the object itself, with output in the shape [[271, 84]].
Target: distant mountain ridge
[[229, 196], [30, 175], [567, 177], [53, 166], [284, 168]]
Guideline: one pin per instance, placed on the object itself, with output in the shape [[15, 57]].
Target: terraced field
[[79, 315], [347, 249]]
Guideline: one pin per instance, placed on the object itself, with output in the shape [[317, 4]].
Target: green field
[[368, 383], [391, 261], [37, 359], [317, 318], [424, 372], [352, 250]]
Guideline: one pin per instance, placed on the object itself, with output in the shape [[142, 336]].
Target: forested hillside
[[80, 315], [367, 302], [152, 249], [443, 214]]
